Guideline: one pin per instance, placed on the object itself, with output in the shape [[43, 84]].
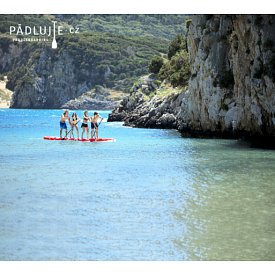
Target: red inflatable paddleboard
[[80, 139]]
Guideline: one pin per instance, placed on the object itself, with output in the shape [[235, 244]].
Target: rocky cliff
[[5, 95], [231, 88], [150, 105], [107, 50], [44, 78], [99, 98], [47, 82]]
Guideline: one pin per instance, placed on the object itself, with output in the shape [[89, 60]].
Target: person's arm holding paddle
[[63, 123], [94, 124]]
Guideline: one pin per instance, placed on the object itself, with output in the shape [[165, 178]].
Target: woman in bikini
[[75, 120], [84, 124]]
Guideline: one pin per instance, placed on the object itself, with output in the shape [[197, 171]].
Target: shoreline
[[254, 140], [5, 95], [4, 105]]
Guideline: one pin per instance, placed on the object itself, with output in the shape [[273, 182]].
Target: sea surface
[[151, 195]]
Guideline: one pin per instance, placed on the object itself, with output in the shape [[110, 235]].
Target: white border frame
[[137, 6]]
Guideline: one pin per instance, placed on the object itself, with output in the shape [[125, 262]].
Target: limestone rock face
[[7, 56], [232, 83], [51, 81], [233, 73], [145, 108]]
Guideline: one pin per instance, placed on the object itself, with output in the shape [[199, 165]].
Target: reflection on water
[[231, 212]]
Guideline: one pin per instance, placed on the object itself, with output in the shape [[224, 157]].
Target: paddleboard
[[81, 139]]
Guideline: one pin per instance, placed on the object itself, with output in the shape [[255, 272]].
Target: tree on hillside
[[155, 64], [175, 69], [176, 45]]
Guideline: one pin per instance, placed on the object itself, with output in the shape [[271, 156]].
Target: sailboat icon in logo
[[54, 43]]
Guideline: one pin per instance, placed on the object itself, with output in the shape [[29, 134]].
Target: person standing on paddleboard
[[84, 124], [63, 125], [75, 120], [94, 124]]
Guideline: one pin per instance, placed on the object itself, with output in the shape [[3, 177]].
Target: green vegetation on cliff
[[116, 60], [7, 20], [176, 68], [156, 64], [110, 50], [141, 25], [98, 59]]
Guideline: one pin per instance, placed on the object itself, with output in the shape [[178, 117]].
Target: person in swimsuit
[[84, 124], [63, 125], [94, 124], [75, 120]]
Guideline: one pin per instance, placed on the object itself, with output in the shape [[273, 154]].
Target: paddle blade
[[54, 44]]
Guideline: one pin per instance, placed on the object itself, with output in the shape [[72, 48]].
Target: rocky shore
[[147, 107], [5, 95], [97, 99], [231, 88]]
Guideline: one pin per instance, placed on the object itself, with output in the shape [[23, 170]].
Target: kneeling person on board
[[84, 124], [94, 124], [63, 124]]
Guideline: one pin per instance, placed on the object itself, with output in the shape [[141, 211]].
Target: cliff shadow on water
[[243, 139]]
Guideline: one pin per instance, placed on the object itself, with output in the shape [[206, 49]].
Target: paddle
[[71, 129], [54, 43], [97, 127]]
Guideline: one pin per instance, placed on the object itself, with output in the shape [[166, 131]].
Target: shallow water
[[151, 195]]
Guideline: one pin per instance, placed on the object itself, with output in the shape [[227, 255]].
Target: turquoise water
[[151, 195]]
